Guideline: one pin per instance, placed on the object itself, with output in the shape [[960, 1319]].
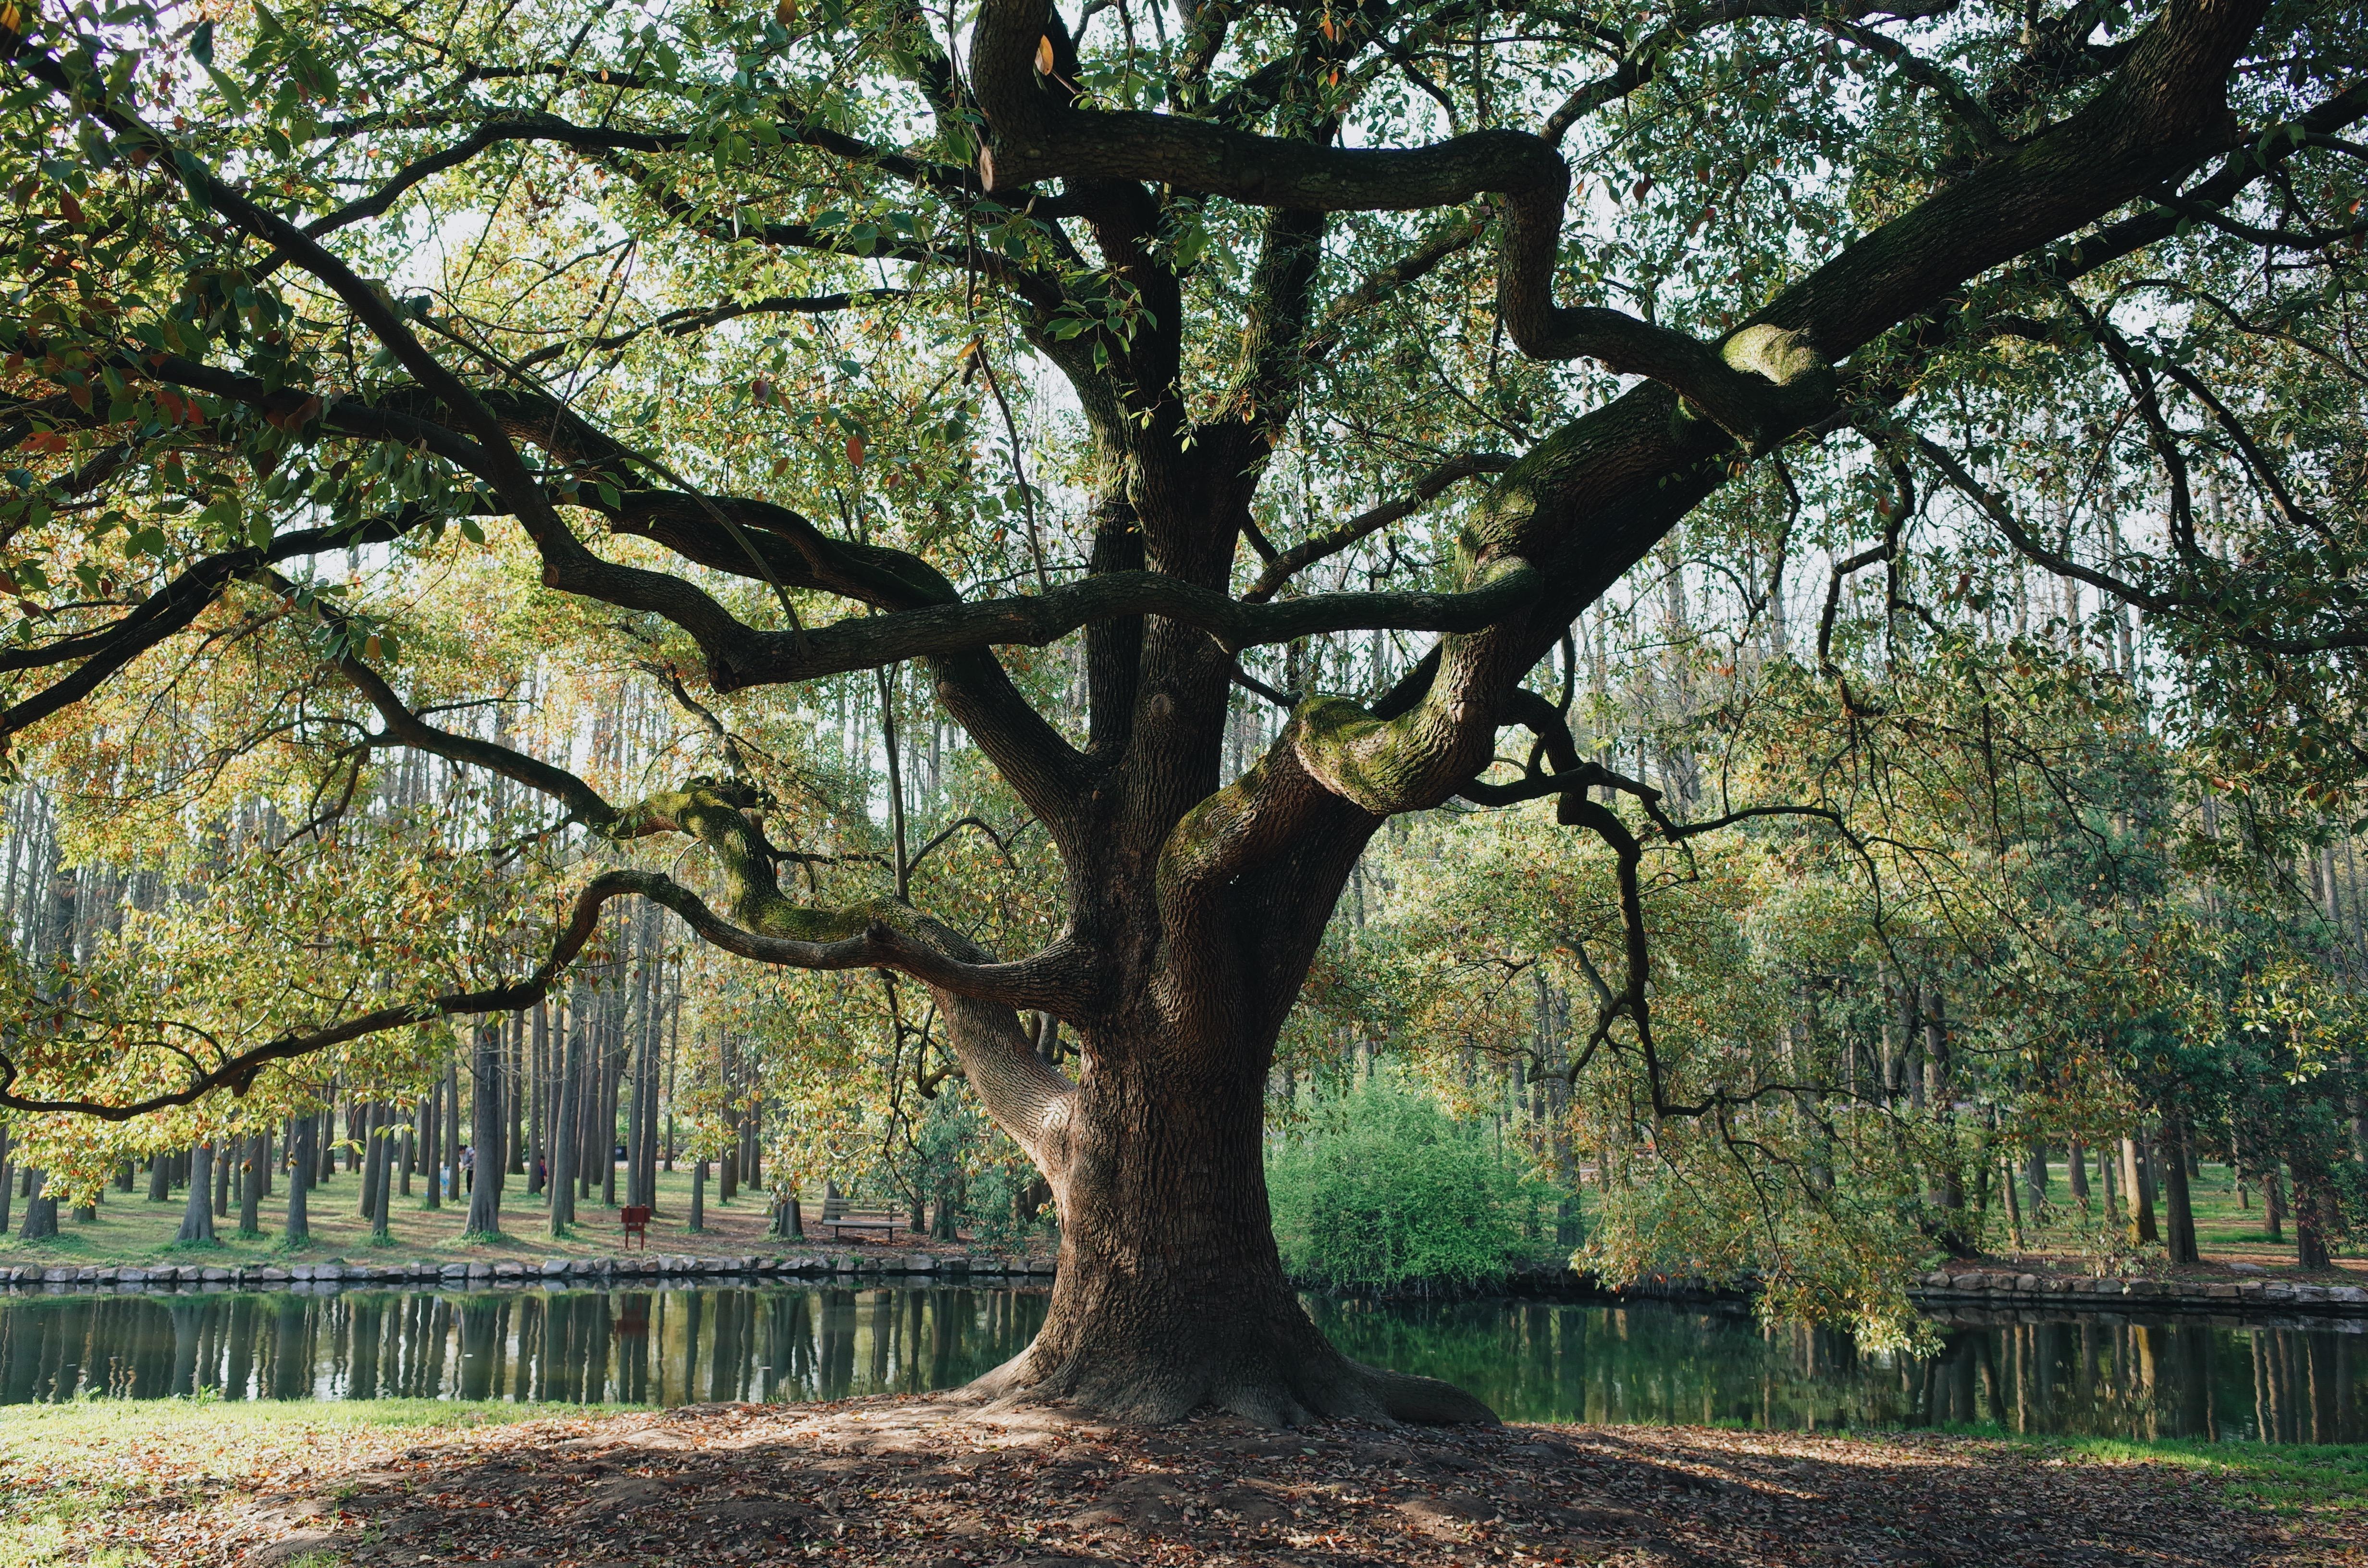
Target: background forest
[[1970, 834]]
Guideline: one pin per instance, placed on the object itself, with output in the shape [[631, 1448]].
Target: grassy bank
[[131, 1230], [2282, 1477]]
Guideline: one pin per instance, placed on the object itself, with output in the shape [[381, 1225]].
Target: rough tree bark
[[304, 1131], [2178, 1201], [2141, 1202], [41, 1210], [198, 1213], [250, 1190], [485, 1133]]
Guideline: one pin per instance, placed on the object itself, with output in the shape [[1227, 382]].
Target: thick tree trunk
[[2178, 1202], [198, 1213], [301, 1165], [2142, 1227], [367, 1123], [382, 1218], [1171, 1295], [2316, 1214], [486, 1134], [41, 1210]]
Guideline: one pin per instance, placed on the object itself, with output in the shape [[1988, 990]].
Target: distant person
[[467, 1167]]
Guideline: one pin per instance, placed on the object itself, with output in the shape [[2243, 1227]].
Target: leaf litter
[[922, 1482]]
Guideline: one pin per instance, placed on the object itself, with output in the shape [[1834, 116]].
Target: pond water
[[2098, 1374]]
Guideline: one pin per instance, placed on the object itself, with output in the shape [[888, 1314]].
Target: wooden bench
[[841, 1224], [636, 1217]]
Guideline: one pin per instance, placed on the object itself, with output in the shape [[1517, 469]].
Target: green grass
[[66, 1470], [2287, 1478], [2224, 1232], [131, 1229]]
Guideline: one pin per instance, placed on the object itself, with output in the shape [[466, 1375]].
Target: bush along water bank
[[1380, 1191]]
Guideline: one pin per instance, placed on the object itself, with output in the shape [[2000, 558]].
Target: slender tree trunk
[[2013, 1207], [198, 1214], [486, 1134], [697, 1197], [612, 1084], [431, 1143], [160, 1178], [301, 1167], [2273, 1207], [452, 1130], [250, 1195], [564, 1126], [514, 1082], [2075, 1175], [2179, 1201], [223, 1164], [538, 1103]]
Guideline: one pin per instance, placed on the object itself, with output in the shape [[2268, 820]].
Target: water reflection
[[626, 1347], [2102, 1375], [1654, 1362]]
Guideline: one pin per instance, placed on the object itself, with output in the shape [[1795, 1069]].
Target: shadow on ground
[[921, 1483]]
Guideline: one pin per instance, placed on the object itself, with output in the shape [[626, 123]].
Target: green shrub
[[1382, 1190]]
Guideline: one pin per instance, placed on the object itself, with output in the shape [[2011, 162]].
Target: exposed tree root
[[1312, 1384]]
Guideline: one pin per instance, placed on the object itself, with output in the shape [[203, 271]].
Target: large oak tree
[[1203, 238]]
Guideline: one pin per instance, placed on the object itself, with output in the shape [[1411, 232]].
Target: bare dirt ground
[[921, 1483]]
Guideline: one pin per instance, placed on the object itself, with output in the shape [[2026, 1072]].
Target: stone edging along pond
[[1948, 1291], [481, 1273], [1944, 1287]]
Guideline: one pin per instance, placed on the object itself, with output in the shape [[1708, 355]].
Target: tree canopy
[[1032, 492]]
